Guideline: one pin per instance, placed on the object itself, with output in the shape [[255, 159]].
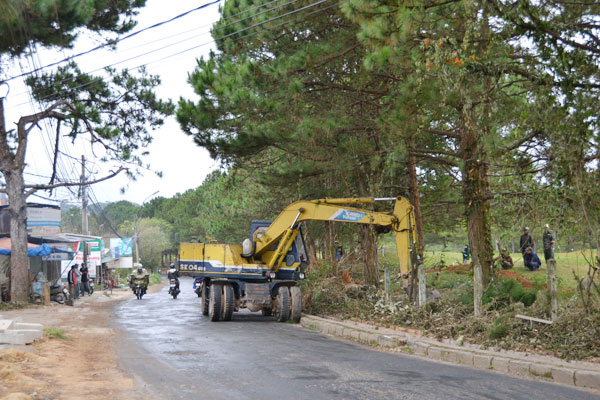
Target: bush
[[498, 330], [155, 279]]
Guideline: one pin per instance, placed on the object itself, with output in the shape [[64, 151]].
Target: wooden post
[[552, 288], [477, 288], [422, 284], [387, 285]]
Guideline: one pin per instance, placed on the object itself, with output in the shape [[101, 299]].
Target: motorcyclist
[[173, 274], [139, 276]]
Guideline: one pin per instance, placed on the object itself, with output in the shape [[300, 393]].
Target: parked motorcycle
[[59, 292], [173, 290], [91, 286]]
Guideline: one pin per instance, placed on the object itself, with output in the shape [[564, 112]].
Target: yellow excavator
[[261, 274]]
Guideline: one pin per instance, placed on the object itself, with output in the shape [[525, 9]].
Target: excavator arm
[[284, 228]]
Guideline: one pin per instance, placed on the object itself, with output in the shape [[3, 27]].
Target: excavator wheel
[[283, 311], [228, 302], [215, 306], [296, 306], [205, 298]]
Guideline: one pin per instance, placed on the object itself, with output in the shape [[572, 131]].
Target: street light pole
[[135, 232]]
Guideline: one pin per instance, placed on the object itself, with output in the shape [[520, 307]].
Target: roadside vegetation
[[439, 103]]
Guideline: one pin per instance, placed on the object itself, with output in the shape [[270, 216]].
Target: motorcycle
[[173, 290], [139, 292], [59, 292], [91, 286]]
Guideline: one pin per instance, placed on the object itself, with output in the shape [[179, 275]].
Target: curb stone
[[522, 365]]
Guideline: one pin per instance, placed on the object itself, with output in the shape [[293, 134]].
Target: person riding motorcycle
[[139, 276], [173, 274]]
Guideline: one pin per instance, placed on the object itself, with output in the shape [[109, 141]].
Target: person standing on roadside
[[85, 280], [72, 280], [549, 240], [78, 282], [526, 240]]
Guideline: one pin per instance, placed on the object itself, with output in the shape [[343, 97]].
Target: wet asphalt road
[[176, 353]]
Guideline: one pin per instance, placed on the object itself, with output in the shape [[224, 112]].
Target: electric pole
[[84, 214]]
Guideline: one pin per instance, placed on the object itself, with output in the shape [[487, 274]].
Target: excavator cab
[[296, 259]]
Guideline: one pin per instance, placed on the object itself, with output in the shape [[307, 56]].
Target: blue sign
[[121, 247], [347, 215]]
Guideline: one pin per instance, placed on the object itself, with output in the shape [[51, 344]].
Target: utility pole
[[84, 214], [135, 234]]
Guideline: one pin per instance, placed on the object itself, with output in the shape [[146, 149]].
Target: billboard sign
[[121, 247]]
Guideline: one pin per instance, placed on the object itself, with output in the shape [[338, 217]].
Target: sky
[[183, 164]]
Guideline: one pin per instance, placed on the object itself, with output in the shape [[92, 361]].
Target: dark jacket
[[526, 241], [532, 260], [72, 276], [547, 239], [173, 275], [84, 274]]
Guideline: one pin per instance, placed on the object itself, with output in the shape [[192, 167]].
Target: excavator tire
[[228, 302], [296, 306], [215, 306], [205, 298], [283, 311]]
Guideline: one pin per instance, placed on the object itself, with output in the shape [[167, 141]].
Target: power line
[[184, 40], [113, 42], [209, 42]]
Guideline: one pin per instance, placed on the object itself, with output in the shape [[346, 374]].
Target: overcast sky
[[184, 165]]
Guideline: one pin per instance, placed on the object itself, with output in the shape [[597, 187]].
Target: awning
[[68, 238], [32, 249]]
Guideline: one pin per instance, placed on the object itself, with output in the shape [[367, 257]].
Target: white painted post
[[553, 288], [477, 288], [387, 285], [422, 284]]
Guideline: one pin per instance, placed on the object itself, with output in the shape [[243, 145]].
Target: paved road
[[178, 354]]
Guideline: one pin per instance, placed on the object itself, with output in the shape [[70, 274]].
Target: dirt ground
[[84, 365]]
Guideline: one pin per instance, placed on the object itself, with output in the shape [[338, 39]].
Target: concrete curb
[[522, 365]]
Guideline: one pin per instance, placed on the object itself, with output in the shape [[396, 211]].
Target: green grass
[[566, 263], [55, 333], [155, 279]]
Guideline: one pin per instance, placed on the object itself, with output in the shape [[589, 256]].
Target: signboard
[[43, 220], [94, 255], [121, 247], [58, 256]]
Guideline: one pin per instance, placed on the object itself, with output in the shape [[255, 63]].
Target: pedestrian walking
[[85, 280], [549, 240], [72, 280], [526, 241]]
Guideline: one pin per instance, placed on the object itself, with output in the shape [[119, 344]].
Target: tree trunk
[[311, 248], [12, 164], [19, 259], [330, 246], [476, 193], [416, 202], [368, 244]]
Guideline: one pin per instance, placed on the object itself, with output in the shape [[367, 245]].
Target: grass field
[[567, 263]]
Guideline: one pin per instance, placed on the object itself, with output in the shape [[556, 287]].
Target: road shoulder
[[582, 375]]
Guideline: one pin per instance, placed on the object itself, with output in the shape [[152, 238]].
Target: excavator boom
[[284, 228]]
